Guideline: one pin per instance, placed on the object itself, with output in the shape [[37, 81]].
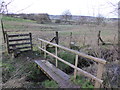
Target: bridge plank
[[56, 74], [57, 71]]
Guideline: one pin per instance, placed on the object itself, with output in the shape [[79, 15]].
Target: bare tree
[[82, 20], [99, 19], [4, 7], [115, 7], [66, 15]]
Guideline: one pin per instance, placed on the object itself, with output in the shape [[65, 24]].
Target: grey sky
[[56, 7]]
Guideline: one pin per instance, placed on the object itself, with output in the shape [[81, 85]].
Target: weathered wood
[[17, 35], [56, 55], [56, 38], [70, 39], [76, 63], [56, 74], [23, 39], [44, 49], [71, 65], [26, 47], [31, 41], [25, 50], [4, 36], [41, 45], [20, 44], [13, 38], [100, 39], [99, 74], [102, 61], [8, 50]]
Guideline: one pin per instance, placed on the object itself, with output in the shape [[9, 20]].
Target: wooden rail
[[101, 62], [24, 41]]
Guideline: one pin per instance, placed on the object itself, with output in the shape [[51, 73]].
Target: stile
[[22, 43]]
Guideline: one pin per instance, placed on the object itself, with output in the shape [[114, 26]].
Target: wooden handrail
[[100, 66], [102, 61], [71, 65]]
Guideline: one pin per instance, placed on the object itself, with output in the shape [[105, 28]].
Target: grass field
[[82, 35]]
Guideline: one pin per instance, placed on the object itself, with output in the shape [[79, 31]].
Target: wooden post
[[44, 49], [57, 39], [3, 31], [70, 39], [98, 37], [41, 47], [99, 74], [56, 55], [7, 43], [75, 70], [31, 41]]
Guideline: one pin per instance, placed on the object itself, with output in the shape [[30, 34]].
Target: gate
[[19, 42]]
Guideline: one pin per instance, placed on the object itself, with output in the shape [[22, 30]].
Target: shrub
[[67, 57], [57, 21]]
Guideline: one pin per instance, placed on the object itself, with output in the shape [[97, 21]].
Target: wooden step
[[56, 74], [57, 71]]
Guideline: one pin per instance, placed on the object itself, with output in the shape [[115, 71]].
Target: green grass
[[82, 82], [8, 67], [7, 18], [7, 26], [50, 84]]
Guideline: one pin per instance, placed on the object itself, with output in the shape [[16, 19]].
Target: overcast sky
[[56, 7]]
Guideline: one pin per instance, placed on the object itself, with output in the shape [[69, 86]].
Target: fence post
[[99, 74], [56, 55], [70, 39], [56, 38], [31, 41], [3, 31], [7, 43], [41, 47], [44, 49], [76, 63]]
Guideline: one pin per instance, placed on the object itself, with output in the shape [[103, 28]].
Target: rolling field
[[86, 34]]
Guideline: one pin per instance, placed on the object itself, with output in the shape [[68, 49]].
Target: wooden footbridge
[[52, 71], [59, 76]]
